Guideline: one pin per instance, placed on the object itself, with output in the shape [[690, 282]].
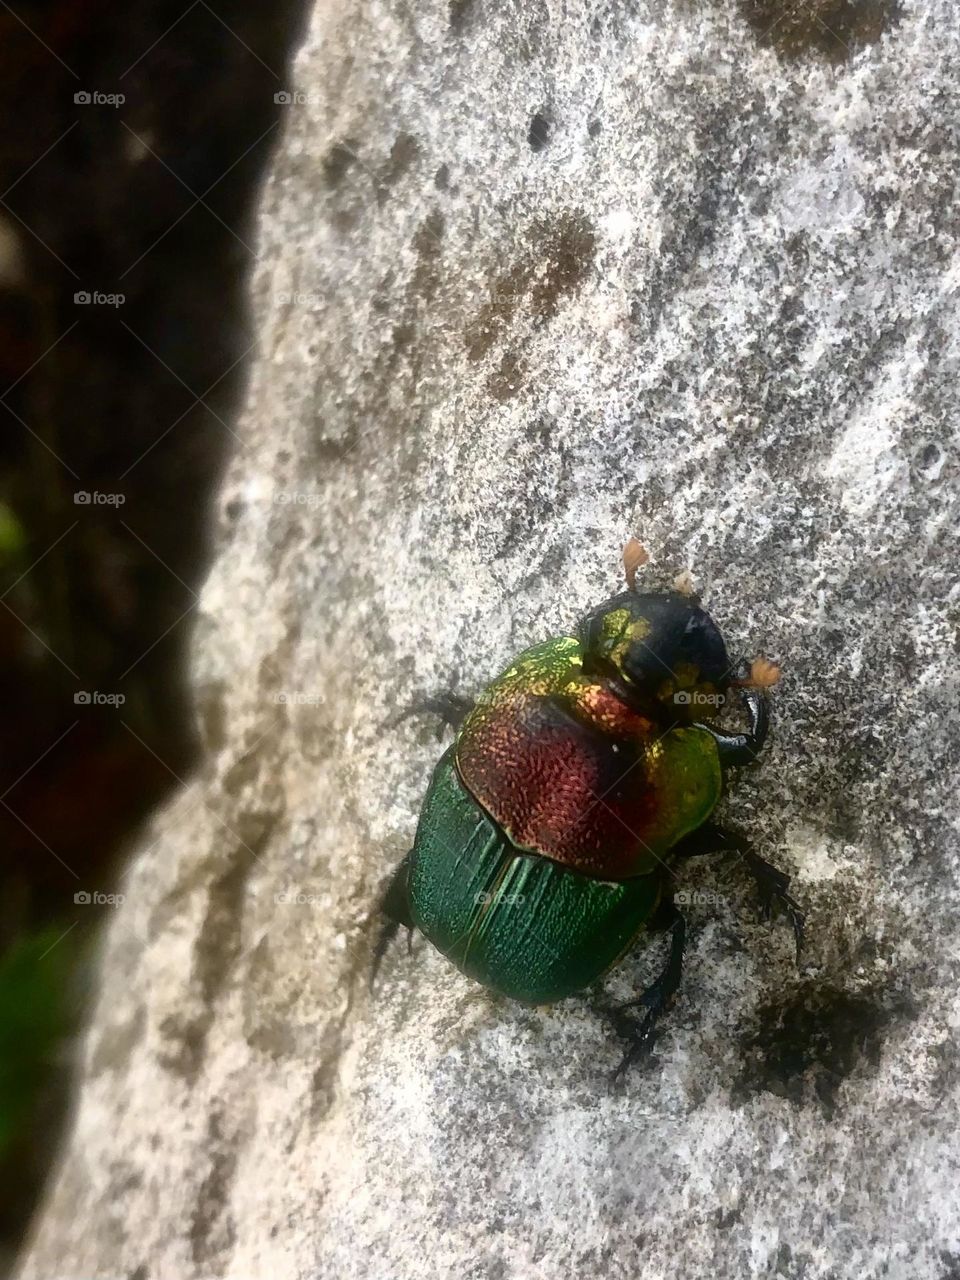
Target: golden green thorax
[[571, 770]]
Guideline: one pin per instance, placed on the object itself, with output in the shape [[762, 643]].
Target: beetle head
[[661, 650]]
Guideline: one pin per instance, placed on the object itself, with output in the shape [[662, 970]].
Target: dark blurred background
[[132, 141]]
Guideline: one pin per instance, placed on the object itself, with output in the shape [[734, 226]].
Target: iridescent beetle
[[581, 776]]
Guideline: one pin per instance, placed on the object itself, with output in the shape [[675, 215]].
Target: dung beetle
[[577, 781]]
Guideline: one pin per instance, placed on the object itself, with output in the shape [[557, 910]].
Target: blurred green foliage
[[13, 539], [34, 1020]]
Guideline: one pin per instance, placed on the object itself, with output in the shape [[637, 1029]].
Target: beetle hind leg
[[450, 708], [395, 905], [657, 997]]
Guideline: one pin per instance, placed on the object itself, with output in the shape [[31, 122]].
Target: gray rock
[[535, 277]]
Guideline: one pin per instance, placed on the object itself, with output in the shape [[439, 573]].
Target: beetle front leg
[[772, 883], [656, 998], [743, 748], [395, 905]]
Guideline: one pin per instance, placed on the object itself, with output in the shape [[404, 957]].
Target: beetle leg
[[772, 884], [640, 1036], [451, 708], [743, 748], [395, 905]]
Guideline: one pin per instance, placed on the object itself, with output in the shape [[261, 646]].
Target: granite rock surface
[[535, 277]]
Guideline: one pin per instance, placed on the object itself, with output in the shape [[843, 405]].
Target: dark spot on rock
[[568, 245], [403, 154], [559, 256], [184, 1042], [234, 509], [403, 336], [538, 135], [507, 291], [951, 1264], [833, 29], [330, 450], [507, 379], [441, 179], [212, 1231], [140, 1273], [428, 243], [338, 160], [807, 1047], [459, 15], [929, 457], [593, 128], [216, 949]]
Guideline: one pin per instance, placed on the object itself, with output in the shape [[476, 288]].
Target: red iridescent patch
[[569, 771]]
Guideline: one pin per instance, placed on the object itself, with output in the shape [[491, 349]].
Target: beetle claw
[[641, 1038]]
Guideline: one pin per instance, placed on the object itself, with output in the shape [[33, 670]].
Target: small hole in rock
[[539, 132]]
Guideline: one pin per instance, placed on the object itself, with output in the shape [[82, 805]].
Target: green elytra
[[578, 781]]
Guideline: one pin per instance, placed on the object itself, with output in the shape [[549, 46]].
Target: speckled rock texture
[[536, 276]]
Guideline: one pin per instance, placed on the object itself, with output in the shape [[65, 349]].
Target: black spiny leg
[[395, 905], [451, 708], [772, 884], [656, 998], [743, 748]]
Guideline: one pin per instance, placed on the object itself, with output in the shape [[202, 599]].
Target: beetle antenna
[[634, 558]]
